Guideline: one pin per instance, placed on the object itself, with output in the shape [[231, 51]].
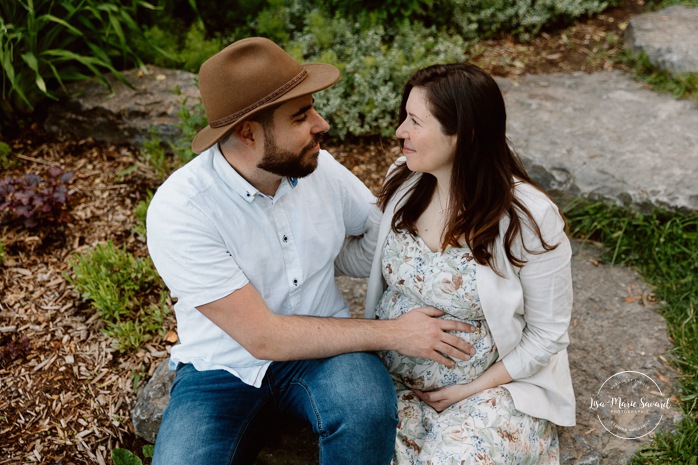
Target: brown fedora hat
[[248, 76]]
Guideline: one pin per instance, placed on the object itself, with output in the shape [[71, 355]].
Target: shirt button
[[285, 238], [295, 282]]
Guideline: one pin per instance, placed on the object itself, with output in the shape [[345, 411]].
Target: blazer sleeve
[[546, 283], [356, 256]]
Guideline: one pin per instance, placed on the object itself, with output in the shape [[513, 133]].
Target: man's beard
[[286, 163]]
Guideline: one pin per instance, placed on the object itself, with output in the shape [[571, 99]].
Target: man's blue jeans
[[213, 418]]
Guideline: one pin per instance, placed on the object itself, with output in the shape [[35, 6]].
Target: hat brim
[[320, 76]]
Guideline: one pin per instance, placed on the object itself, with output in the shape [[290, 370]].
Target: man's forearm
[[244, 316]]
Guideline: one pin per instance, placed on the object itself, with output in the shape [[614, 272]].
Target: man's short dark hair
[[264, 117]]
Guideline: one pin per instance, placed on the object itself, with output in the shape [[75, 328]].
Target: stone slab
[[604, 135], [123, 114], [669, 37]]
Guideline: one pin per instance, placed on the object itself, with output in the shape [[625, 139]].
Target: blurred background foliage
[[45, 44]]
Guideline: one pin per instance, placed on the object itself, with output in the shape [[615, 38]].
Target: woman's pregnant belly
[[425, 374]]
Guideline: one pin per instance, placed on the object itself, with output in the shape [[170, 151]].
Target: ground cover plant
[[67, 387]]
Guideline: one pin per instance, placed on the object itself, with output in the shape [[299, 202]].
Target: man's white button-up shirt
[[210, 232]]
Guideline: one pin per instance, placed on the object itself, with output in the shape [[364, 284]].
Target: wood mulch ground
[[66, 393]]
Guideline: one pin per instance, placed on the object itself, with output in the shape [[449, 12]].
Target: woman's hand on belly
[[443, 398]]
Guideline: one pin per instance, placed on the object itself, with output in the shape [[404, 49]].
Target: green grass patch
[[663, 246], [127, 292], [661, 80]]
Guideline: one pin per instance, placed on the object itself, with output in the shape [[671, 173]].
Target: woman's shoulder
[[544, 212], [534, 199]]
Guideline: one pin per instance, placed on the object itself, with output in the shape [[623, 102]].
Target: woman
[[465, 230]]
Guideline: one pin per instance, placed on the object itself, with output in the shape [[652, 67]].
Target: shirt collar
[[235, 181]]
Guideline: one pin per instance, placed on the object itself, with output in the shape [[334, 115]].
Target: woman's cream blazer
[[528, 310]]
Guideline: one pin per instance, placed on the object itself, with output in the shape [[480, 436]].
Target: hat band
[[271, 97]]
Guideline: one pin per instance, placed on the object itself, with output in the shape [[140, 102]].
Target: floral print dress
[[483, 429]]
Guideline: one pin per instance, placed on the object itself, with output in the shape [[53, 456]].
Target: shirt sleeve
[[356, 254], [189, 254], [546, 281]]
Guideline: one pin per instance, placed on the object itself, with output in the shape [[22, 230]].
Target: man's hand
[[422, 334]]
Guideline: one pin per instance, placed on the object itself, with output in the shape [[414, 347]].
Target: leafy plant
[[191, 122], [183, 49], [123, 289], [390, 11], [46, 43], [155, 154], [375, 62], [524, 18], [2, 252], [155, 151], [34, 201], [5, 161], [126, 457]]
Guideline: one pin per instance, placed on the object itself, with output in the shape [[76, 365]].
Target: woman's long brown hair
[[468, 103]]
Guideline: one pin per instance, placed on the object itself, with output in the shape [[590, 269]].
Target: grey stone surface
[[126, 115], [669, 38], [151, 402], [615, 327], [604, 135]]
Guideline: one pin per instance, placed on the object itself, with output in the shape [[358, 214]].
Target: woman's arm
[[439, 400], [546, 283]]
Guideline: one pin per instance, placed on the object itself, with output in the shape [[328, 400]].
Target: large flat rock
[[126, 114], [604, 135], [669, 38]]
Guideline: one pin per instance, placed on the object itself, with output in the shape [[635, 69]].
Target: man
[[247, 236]]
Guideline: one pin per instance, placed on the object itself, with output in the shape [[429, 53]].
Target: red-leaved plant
[[35, 201]]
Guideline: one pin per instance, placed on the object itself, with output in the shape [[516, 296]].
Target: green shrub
[[123, 289], [375, 62], [222, 17], [183, 49], [387, 11], [524, 18], [47, 43]]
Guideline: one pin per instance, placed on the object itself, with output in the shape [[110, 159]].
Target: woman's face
[[426, 147]]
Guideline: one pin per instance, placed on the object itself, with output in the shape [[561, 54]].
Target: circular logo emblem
[[629, 405]]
